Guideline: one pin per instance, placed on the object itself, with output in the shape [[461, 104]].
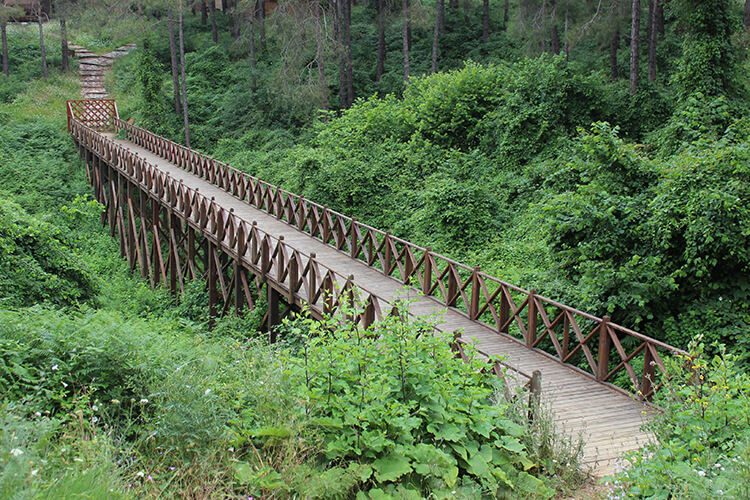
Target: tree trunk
[[453, 4], [405, 37], [436, 37], [347, 7], [543, 38], [41, 43], [506, 14], [746, 18], [442, 17], [173, 57], [64, 44], [262, 19], [252, 44], [184, 81], [652, 37], [4, 36], [341, 50], [613, 46], [555, 37], [204, 13], [635, 29], [214, 28], [320, 58], [232, 22], [381, 41], [486, 20], [660, 19]]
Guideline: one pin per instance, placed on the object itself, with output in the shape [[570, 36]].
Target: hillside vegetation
[[539, 167]]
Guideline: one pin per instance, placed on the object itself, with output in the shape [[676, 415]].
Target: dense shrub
[[37, 265]]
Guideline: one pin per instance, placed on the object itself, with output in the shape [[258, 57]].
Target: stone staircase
[[93, 67]]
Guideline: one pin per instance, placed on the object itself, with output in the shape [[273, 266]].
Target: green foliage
[[397, 400], [644, 242], [710, 55], [37, 265], [703, 433]]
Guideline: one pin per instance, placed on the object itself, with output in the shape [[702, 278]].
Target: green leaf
[[391, 467], [450, 432]]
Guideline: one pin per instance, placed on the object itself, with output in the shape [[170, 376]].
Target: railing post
[[474, 304], [452, 297], [293, 277], [531, 325], [326, 227], [312, 280], [535, 395], [388, 256], [354, 249], [427, 272], [504, 313], [605, 344]]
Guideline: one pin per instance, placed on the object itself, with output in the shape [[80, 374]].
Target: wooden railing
[[605, 351]]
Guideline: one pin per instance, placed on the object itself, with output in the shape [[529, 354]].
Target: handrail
[[595, 345]]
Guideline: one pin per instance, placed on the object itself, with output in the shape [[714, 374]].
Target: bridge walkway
[[609, 421]]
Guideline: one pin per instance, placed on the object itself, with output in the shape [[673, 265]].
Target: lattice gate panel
[[95, 113]]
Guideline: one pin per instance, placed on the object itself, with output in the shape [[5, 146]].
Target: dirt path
[[93, 68]]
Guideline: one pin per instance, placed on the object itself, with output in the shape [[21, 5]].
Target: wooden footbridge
[[181, 215]]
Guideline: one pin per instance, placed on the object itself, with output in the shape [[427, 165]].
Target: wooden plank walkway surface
[[609, 421]]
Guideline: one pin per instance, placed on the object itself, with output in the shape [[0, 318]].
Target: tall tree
[[711, 60], [652, 38], [212, 15], [204, 13], [746, 18], [635, 29], [339, 28], [485, 20], [6, 14], [347, 5], [320, 57], [184, 78], [63, 9], [40, 15], [436, 35], [381, 40], [173, 60], [406, 30], [262, 23], [614, 44]]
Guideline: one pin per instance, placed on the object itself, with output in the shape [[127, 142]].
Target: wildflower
[[115, 401], [37, 414], [95, 408], [208, 391], [140, 474], [64, 384], [54, 367], [16, 452], [701, 473], [35, 472], [144, 401]]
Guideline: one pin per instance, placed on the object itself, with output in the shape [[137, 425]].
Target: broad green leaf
[[391, 467]]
